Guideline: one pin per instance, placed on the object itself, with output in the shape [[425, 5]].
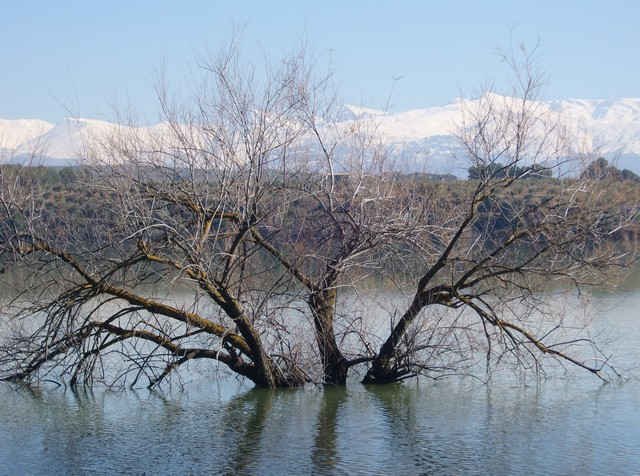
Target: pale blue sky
[[84, 57]]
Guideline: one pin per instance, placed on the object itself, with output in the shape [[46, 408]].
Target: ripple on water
[[453, 427]]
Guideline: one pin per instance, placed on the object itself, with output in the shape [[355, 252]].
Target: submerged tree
[[184, 204], [496, 257], [235, 231]]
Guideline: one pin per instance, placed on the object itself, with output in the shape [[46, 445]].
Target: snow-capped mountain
[[425, 140], [70, 138], [13, 133], [419, 139]]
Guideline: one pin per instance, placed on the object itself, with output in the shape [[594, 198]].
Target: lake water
[[559, 426]]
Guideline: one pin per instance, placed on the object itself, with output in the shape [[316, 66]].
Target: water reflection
[[245, 418], [397, 406], [325, 443], [400, 429]]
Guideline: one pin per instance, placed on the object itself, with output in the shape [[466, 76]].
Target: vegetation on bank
[[72, 200]]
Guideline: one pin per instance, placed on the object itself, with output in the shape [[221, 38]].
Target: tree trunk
[[382, 369], [334, 365]]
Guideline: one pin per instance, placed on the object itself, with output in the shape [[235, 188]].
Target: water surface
[[560, 426]]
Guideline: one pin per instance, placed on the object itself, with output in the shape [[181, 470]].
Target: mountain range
[[421, 139]]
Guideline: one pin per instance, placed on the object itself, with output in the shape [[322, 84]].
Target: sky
[[89, 59]]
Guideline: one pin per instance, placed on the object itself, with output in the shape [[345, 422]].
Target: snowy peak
[[70, 138], [349, 112], [424, 139], [18, 131], [361, 112]]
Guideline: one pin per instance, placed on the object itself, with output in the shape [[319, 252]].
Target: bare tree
[[350, 211], [495, 256], [234, 231], [185, 202]]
